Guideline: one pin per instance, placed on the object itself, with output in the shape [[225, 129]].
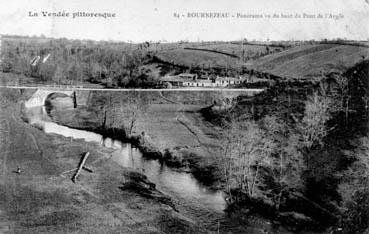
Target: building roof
[[227, 78], [204, 81], [173, 79], [187, 74]]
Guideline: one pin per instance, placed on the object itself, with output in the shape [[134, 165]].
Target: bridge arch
[[40, 96]]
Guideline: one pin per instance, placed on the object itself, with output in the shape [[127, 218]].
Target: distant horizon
[[41, 36]]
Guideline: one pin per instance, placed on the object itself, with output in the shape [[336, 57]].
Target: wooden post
[[75, 99], [80, 166]]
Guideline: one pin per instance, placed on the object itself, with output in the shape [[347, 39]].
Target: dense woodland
[[300, 155], [111, 64], [75, 62]]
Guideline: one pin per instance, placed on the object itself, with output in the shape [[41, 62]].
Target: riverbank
[[166, 119], [191, 200], [111, 199], [173, 132]]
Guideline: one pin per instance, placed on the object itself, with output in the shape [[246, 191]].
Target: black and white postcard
[[184, 116]]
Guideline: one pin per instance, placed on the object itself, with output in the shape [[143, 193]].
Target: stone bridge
[[39, 97]]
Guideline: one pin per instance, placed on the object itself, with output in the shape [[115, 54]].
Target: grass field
[[310, 60], [250, 50], [174, 127], [208, 59], [192, 58]]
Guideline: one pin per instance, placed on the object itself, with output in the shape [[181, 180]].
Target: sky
[[153, 20]]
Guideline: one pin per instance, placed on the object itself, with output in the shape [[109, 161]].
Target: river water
[[190, 197], [181, 183]]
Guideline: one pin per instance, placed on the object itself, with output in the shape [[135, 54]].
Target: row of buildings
[[192, 80]]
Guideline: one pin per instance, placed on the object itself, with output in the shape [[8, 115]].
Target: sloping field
[[163, 121], [310, 60], [193, 58], [208, 59], [250, 50]]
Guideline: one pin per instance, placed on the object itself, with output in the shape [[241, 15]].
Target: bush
[[356, 218]]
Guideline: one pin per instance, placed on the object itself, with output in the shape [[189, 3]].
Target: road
[[134, 89]]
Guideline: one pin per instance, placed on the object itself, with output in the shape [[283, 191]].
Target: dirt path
[[183, 123]]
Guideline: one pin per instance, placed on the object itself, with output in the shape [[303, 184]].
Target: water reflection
[[184, 185]]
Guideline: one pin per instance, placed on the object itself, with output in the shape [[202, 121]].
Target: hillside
[[130, 65], [196, 58], [310, 60], [238, 50], [215, 54]]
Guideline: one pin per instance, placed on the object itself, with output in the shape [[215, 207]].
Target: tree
[[245, 151], [261, 159], [59, 74], [21, 65], [356, 218], [313, 127], [96, 61], [46, 71], [287, 165], [75, 72], [8, 62], [95, 70], [341, 94], [127, 109]]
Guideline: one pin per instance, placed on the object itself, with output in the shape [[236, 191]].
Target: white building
[[199, 83], [225, 81], [192, 80]]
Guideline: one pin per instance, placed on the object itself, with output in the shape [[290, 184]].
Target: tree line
[[274, 157], [63, 61]]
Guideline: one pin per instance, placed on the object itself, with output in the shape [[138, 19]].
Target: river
[[191, 198]]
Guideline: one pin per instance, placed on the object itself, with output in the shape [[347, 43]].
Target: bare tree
[[58, 74], [342, 95], [245, 150], [313, 127], [255, 153], [131, 107], [287, 165]]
